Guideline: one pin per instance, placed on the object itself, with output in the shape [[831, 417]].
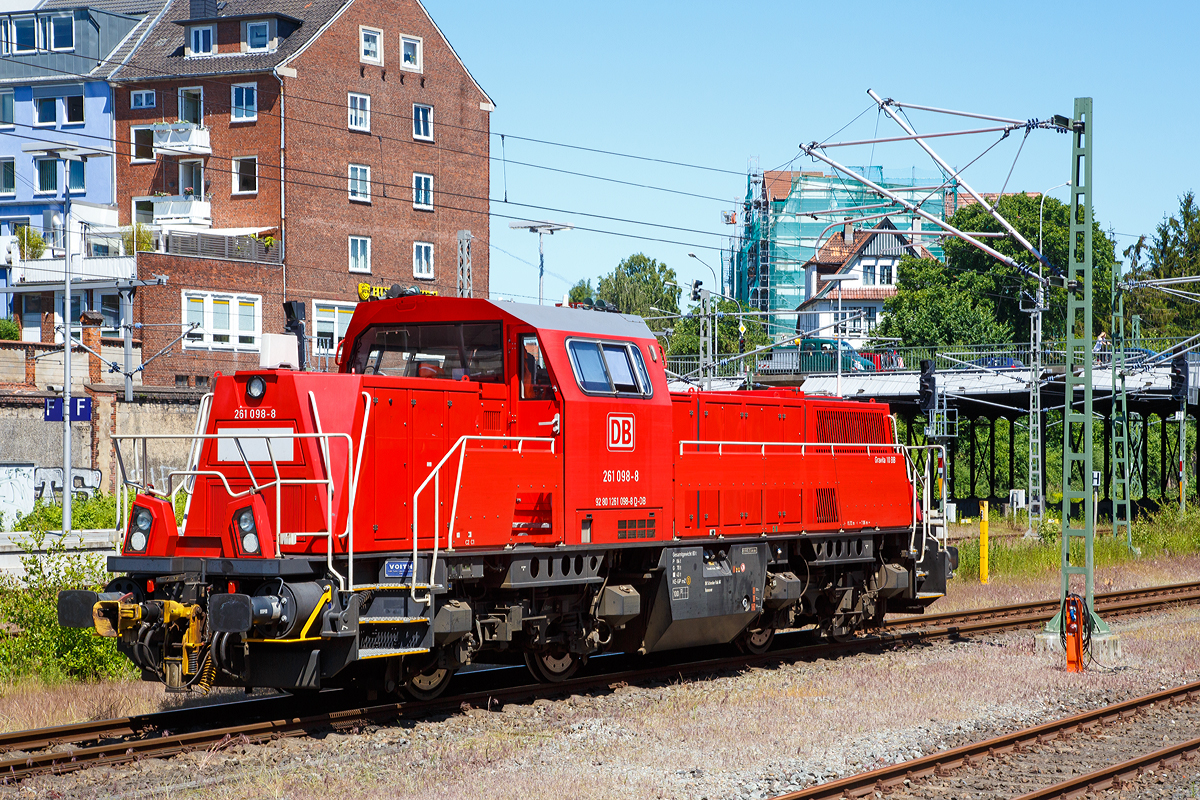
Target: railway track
[[1027, 740], [71, 747]]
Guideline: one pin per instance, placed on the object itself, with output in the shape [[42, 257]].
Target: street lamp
[[64, 153], [710, 269], [837, 328], [541, 229], [1041, 211]]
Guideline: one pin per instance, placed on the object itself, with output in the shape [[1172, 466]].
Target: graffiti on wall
[[21, 484]]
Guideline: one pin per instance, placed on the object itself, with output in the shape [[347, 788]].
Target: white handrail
[[434, 475], [277, 484], [905, 449]]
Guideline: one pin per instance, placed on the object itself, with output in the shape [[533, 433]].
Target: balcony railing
[[180, 210], [215, 245], [181, 138], [88, 268]]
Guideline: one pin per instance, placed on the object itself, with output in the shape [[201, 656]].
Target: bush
[[97, 511], [30, 242], [9, 330], [34, 643]]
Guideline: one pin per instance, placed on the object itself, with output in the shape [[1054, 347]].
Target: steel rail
[[948, 626], [1114, 776], [878, 780]]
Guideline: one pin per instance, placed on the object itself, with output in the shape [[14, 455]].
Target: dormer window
[[203, 40], [258, 36], [62, 32]]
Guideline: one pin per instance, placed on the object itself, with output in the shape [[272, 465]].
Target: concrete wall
[[31, 456]]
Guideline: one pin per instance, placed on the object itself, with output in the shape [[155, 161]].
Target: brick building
[[293, 150]]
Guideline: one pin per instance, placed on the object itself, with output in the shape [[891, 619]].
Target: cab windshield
[[457, 351]]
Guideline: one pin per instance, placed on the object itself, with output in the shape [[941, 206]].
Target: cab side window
[[609, 368], [535, 380]]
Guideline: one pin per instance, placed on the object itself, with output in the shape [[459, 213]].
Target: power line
[[406, 187]]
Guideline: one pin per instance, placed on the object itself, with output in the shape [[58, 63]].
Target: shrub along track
[[70, 747], [1027, 763]]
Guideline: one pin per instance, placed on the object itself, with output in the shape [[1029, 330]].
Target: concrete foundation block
[[1106, 648]]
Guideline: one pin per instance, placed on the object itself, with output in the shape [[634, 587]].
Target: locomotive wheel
[[428, 685], [756, 641], [554, 666]]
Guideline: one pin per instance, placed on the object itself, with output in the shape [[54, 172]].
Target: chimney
[[202, 9], [847, 227]]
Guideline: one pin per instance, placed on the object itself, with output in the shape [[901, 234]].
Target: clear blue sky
[[720, 84]]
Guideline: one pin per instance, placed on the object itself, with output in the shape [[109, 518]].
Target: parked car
[[813, 355]]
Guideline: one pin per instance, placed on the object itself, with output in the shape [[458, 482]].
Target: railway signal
[[927, 391]]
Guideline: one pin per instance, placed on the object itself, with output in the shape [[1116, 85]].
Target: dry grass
[[33, 703]]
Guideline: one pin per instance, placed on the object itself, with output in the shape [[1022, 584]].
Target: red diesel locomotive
[[488, 481]]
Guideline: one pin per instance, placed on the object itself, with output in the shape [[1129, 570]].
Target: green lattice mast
[[1077, 423]]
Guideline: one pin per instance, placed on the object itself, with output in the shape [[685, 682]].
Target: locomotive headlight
[[250, 543], [246, 520], [139, 528], [256, 387], [248, 530]]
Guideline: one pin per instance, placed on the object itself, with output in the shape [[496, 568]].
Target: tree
[[936, 306], [30, 242], [1004, 285], [581, 292], [639, 286], [1172, 251], [139, 235]]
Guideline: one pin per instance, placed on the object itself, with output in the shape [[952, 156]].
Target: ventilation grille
[[491, 420], [851, 426], [635, 528], [827, 505]]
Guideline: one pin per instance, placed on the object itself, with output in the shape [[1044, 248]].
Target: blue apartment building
[[54, 62]]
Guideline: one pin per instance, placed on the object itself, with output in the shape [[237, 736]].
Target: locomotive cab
[[492, 481]]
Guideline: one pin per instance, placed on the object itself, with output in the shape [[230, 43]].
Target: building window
[[410, 53], [110, 309], [202, 40], [422, 191], [360, 112], [360, 183], [245, 175], [191, 179], [332, 320], [871, 318], [8, 176], [6, 110], [360, 253], [245, 102], [47, 173], [868, 273], [422, 122], [191, 105], [143, 99], [24, 35], [885, 274], [143, 144], [224, 320], [75, 176], [62, 32], [258, 36], [73, 104], [370, 45], [423, 260], [45, 110]]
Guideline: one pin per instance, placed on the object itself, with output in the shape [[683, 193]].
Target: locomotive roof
[[449, 309], [577, 320]]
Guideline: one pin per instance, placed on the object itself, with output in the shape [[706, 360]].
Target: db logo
[[620, 432]]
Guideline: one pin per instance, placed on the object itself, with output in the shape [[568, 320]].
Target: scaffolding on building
[[786, 216]]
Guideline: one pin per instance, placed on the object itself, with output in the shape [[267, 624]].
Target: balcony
[[181, 138], [90, 268], [176, 210]]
